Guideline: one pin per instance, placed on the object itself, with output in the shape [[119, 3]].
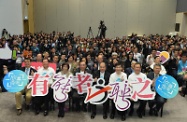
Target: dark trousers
[[43, 100], [105, 108], [78, 100], [61, 107], [113, 110], [141, 108], [157, 103]]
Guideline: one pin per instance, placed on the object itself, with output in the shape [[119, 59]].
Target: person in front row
[[39, 100], [156, 104], [117, 76], [18, 96], [76, 97], [67, 74], [131, 79], [101, 73]]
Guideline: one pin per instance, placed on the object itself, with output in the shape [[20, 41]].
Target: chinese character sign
[[98, 93], [81, 82], [120, 93], [39, 85], [61, 87], [15, 81], [142, 89], [166, 86]]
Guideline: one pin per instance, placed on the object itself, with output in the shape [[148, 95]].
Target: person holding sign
[[76, 97], [64, 73], [101, 73], [159, 101], [48, 73], [29, 72], [117, 76], [132, 79]]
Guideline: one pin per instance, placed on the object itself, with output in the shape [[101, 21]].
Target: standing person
[[67, 74], [117, 76], [77, 98], [102, 73], [18, 96], [132, 78], [45, 70]]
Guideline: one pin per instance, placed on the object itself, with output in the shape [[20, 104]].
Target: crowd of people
[[127, 57]]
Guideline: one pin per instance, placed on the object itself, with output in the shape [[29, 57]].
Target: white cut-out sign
[[6, 52]]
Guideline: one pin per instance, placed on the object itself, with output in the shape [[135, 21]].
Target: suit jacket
[[128, 71], [31, 70], [106, 76]]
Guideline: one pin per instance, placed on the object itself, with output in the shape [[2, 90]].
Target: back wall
[[122, 17]]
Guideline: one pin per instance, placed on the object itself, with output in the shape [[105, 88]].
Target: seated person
[[29, 71], [157, 61], [156, 104]]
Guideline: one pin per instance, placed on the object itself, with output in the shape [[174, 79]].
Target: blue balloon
[[166, 86], [15, 81]]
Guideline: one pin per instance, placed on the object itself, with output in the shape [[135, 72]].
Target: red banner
[[38, 65]]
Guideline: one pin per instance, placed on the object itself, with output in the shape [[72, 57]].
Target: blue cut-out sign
[[15, 81], [166, 86]]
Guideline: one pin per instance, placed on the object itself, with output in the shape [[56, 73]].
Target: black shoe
[[60, 115], [19, 112], [45, 113], [111, 116], [131, 112], [27, 107], [84, 109], [123, 118], [104, 116], [151, 112], [92, 116], [139, 114], [37, 112]]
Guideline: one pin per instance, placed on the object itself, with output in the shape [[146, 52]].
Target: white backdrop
[[11, 16], [122, 17]]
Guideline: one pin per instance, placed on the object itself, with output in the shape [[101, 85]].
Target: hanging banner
[[38, 65]]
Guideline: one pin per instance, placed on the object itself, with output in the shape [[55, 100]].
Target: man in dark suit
[[129, 70], [29, 71], [76, 97], [156, 104], [102, 73]]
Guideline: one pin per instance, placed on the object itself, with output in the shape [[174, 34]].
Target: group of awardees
[[103, 88]]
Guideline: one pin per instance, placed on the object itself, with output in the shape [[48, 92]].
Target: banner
[[38, 65]]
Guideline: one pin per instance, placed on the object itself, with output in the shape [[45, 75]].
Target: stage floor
[[175, 110]]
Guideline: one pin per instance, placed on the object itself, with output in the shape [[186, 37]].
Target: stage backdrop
[[122, 17]]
